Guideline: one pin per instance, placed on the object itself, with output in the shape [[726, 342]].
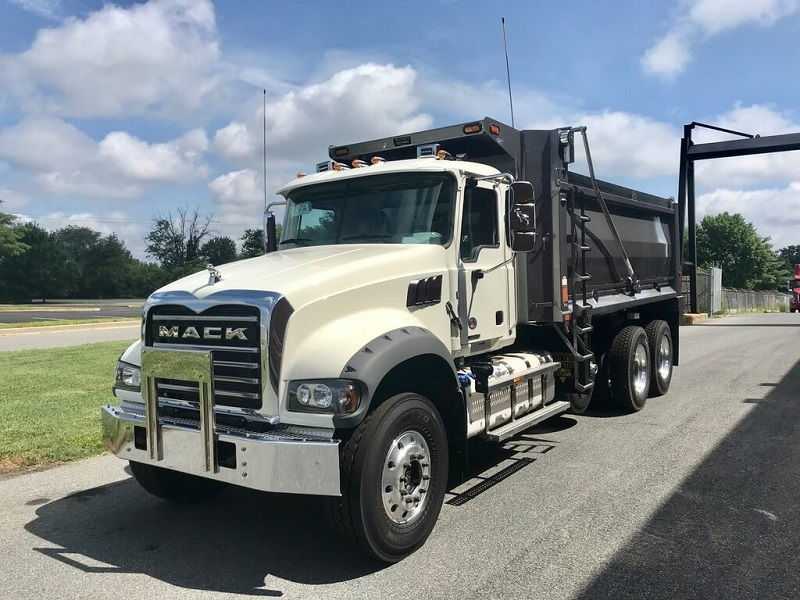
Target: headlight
[[128, 377], [337, 396]]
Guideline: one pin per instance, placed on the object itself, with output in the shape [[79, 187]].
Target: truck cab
[[427, 289]]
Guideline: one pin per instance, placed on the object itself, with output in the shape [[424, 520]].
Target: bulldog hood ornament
[[213, 274]]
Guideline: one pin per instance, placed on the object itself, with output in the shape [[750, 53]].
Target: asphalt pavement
[[69, 313], [66, 335], [694, 497]]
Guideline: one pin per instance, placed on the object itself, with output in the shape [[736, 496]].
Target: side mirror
[[270, 229], [271, 235], [522, 217]]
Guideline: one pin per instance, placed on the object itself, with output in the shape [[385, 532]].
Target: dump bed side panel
[[647, 226]]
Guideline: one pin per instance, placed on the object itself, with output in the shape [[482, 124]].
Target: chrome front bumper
[[280, 461]]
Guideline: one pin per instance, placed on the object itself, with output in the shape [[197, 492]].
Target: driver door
[[482, 252]]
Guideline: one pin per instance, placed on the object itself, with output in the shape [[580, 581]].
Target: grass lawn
[[50, 403], [48, 323]]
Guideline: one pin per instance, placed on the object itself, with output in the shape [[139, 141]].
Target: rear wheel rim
[[406, 478], [664, 358], [640, 367]]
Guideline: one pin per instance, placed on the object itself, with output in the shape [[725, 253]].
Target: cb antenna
[[265, 152], [508, 69]]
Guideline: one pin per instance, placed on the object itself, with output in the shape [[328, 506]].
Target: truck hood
[[312, 273]]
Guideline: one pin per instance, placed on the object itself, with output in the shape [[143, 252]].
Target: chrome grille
[[236, 356]]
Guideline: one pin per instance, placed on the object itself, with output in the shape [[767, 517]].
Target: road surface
[[695, 497], [52, 313], [70, 335]]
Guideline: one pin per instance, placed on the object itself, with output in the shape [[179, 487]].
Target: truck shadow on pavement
[[230, 545], [236, 544], [732, 528]]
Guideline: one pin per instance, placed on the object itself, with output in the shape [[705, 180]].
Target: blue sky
[[112, 114]]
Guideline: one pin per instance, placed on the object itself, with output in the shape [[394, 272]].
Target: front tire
[[659, 338], [174, 486], [629, 366], [393, 478]]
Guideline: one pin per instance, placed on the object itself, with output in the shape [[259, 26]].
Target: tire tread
[[619, 356]]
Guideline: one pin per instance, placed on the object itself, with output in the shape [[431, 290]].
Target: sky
[[113, 114]]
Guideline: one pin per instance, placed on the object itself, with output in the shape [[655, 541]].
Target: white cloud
[[45, 143], [238, 188], [48, 9], [668, 56], [65, 160], [162, 56], [11, 201], [172, 161], [715, 16], [362, 102], [749, 170], [773, 211], [629, 145], [699, 20], [235, 141]]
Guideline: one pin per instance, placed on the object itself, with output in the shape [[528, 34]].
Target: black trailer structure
[[603, 253], [749, 144]]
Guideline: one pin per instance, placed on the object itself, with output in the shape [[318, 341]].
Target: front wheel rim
[[406, 478], [640, 367], [664, 358]]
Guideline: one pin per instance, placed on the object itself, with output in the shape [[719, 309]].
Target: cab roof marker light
[[337, 166], [443, 154], [357, 164], [377, 160], [494, 129], [300, 174], [473, 128]]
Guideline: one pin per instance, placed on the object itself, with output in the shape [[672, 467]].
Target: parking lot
[[694, 497]]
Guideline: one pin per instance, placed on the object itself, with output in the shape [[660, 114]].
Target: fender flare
[[380, 355]]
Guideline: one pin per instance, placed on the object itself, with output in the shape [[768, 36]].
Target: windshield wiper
[[367, 236], [295, 241]]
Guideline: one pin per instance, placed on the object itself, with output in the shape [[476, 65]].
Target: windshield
[[396, 208]]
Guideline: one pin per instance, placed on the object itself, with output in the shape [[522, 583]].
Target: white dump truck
[[427, 289]]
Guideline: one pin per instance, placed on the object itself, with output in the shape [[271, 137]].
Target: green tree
[[219, 250], [107, 270], [144, 278], [10, 244], [252, 243], [38, 273], [77, 245], [732, 243], [790, 255], [175, 240]]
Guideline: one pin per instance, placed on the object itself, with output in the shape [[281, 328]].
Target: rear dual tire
[[629, 367], [640, 364], [659, 337]]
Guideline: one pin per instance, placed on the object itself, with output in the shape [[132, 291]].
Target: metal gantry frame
[[747, 145]]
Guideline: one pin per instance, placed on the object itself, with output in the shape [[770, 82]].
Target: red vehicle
[[794, 287]]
